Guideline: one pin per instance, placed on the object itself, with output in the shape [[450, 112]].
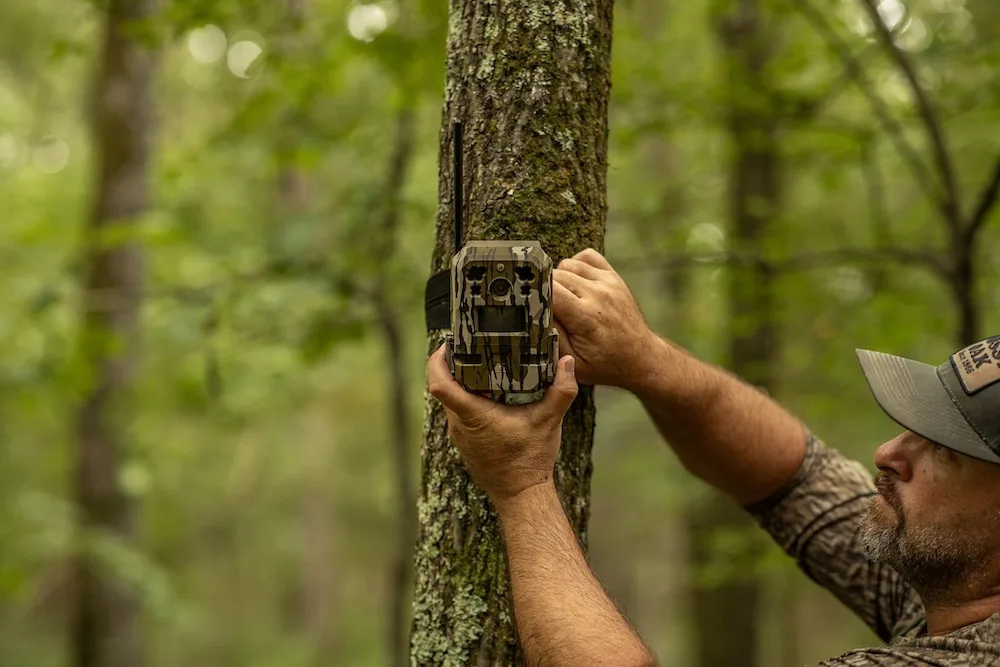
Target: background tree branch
[[928, 185], [950, 204], [987, 201], [804, 261]]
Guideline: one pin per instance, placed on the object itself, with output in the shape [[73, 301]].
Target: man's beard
[[938, 561]]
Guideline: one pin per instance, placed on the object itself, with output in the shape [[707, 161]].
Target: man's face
[[936, 519]]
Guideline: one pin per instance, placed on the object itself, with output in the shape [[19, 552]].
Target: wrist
[[655, 357], [526, 502]]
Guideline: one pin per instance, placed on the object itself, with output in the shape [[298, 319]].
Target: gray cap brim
[[912, 394]]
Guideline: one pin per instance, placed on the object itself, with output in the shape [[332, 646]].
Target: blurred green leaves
[[262, 377], [327, 330]]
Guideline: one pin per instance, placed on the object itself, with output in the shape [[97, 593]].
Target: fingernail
[[571, 366]]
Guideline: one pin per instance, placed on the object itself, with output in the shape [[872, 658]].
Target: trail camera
[[502, 340]]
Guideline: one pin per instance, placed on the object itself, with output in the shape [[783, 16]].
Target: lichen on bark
[[530, 81]]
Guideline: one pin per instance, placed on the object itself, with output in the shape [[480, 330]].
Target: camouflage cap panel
[[501, 317]]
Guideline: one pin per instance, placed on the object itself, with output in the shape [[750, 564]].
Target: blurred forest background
[[279, 344]]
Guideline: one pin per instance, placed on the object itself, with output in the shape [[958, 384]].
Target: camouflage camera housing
[[502, 340]]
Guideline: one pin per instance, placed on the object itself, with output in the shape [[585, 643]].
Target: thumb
[[563, 391]]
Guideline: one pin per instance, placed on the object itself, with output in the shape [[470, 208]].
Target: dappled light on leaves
[[706, 237], [50, 156], [915, 37], [245, 54], [9, 149], [895, 88], [134, 478], [258, 437], [366, 21], [241, 56], [207, 44], [893, 13], [959, 25], [848, 284]]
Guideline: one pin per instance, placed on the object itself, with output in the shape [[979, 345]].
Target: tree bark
[[530, 82], [105, 619], [754, 204]]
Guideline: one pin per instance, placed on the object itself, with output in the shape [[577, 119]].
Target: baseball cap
[[955, 404]]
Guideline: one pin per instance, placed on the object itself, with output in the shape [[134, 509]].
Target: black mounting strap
[[437, 301]]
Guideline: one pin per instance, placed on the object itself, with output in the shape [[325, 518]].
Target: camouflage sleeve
[[814, 518], [963, 656], [974, 644]]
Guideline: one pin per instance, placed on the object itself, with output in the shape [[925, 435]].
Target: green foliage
[[260, 462], [328, 330]]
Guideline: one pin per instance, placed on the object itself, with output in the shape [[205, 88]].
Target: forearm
[[563, 615], [723, 430]]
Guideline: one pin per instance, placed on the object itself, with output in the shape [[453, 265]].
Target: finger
[[452, 395], [565, 346], [566, 306], [563, 391], [594, 258], [562, 292], [576, 284], [580, 268]]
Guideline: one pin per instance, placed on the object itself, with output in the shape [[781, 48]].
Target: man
[[915, 553]]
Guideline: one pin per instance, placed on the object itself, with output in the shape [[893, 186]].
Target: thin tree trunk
[[390, 321], [315, 589], [675, 278], [319, 560], [318, 596], [754, 204], [400, 567], [105, 620], [313, 593], [531, 84], [963, 289]]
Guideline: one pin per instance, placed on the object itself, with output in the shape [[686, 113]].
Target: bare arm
[[723, 430], [563, 615]]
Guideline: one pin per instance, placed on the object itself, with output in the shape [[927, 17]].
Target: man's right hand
[[599, 321]]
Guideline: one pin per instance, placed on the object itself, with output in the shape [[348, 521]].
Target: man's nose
[[896, 457]]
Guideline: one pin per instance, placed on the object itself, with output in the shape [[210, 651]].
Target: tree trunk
[[105, 621], [319, 560], [391, 324], [312, 593], [754, 204], [530, 82]]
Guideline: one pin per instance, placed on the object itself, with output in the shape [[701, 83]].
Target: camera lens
[[500, 287]]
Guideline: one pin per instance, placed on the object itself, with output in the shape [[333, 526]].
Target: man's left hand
[[507, 448]]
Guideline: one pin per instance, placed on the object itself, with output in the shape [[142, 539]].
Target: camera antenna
[[458, 185]]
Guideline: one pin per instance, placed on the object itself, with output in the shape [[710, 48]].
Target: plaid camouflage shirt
[[814, 518]]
